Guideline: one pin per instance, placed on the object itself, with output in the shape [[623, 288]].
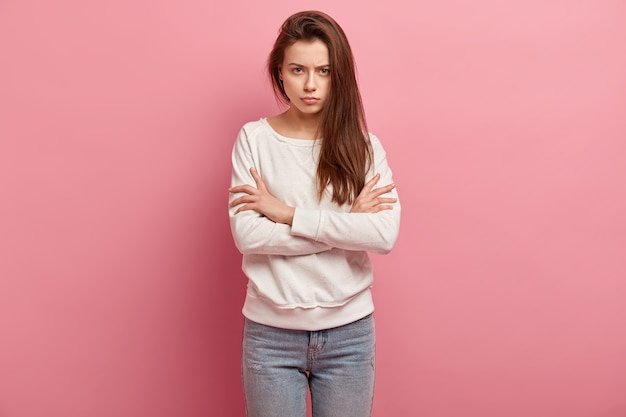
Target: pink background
[[504, 122]]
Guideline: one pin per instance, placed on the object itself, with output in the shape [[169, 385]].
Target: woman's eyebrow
[[300, 65]]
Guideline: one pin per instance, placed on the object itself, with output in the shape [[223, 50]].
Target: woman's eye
[[297, 70], [325, 71]]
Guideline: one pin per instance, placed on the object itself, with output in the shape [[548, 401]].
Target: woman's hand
[[262, 201], [369, 199]]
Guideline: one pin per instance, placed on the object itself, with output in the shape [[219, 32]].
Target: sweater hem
[[310, 319]]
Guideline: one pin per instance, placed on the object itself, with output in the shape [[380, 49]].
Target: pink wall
[[120, 287]]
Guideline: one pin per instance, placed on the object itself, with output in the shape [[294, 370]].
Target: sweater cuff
[[306, 223]]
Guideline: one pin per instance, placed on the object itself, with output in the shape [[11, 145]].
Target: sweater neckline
[[292, 141]]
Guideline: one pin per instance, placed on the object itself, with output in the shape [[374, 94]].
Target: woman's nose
[[310, 83]]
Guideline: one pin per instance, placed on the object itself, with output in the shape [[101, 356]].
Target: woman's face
[[305, 72]]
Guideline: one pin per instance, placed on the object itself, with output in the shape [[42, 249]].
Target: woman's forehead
[[314, 53]]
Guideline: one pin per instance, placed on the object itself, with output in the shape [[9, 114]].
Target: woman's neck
[[292, 123]]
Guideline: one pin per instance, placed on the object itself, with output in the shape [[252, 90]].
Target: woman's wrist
[[289, 213]]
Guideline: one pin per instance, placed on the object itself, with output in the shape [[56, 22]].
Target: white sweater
[[314, 274]]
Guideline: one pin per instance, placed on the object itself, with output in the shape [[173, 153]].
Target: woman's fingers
[[379, 204], [369, 187], [260, 184], [386, 200], [381, 208], [382, 190], [246, 199], [371, 183], [244, 208], [369, 199], [248, 189], [252, 194], [261, 200]]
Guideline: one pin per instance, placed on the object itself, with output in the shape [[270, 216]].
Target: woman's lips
[[310, 100]]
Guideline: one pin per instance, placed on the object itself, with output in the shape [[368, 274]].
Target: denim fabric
[[337, 365]]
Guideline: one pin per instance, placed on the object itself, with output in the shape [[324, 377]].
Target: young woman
[[305, 208]]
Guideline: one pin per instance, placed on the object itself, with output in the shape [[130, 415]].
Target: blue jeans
[[337, 365]]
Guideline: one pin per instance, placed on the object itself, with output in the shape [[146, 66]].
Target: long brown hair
[[346, 152]]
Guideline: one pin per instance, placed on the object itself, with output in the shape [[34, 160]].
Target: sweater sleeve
[[254, 233], [374, 232]]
